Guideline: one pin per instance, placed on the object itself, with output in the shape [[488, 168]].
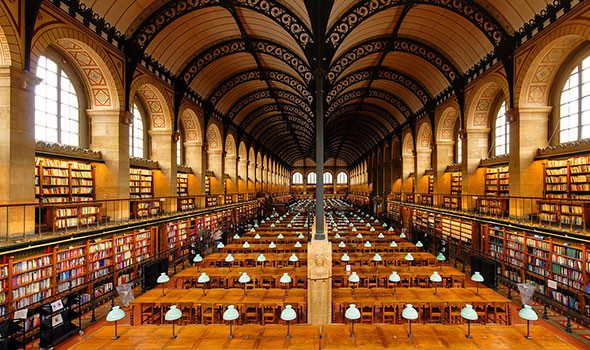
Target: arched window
[[57, 111], [311, 178], [297, 178], [137, 134], [574, 104], [501, 132], [179, 152], [459, 150], [342, 178], [328, 178]]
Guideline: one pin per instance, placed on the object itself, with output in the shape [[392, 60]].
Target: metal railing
[[33, 220]]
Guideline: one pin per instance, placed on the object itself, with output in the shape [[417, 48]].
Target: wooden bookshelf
[[207, 185], [211, 201], [492, 206], [430, 184], [394, 211], [497, 181], [457, 229], [426, 199], [182, 185], [570, 214], [527, 257], [62, 181], [141, 183], [228, 199], [73, 215], [567, 178], [145, 207], [452, 202], [456, 183]]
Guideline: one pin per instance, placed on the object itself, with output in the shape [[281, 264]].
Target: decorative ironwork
[[254, 74], [373, 93], [56, 149], [172, 10], [469, 10], [293, 120], [262, 46], [265, 93], [380, 73], [438, 60], [355, 109]]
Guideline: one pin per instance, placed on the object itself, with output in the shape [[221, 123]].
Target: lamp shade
[[381, 235], [337, 236], [257, 236], [335, 229], [354, 278], [244, 278], [203, 278], [345, 257], [409, 313], [362, 221], [301, 236], [377, 220], [372, 229], [384, 224], [394, 277], [477, 277], [285, 278], [435, 277], [261, 258], [198, 258], [409, 257], [341, 245], [252, 229], [390, 229], [163, 278], [229, 258], [272, 225], [368, 244], [289, 225], [256, 225], [419, 244], [527, 313], [220, 245], [173, 314], [368, 224], [351, 225], [246, 245], [293, 258], [280, 236], [441, 257], [231, 313], [352, 313], [354, 230], [116, 314], [469, 313], [272, 245], [402, 235], [236, 236], [298, 244], [372, 217], [263, 222], [377, 257], [393, 244], [288, 313], [306, 225]]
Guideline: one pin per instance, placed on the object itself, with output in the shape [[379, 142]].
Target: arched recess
[[251, 170], [215, 158], [423, 155], [193, 143], [446, 135], [408, 153], [259, 179], [231, 164], [191, 120], [158, 103], [100, 74], [396, 165], [386, 164], [242, 168], [10, 51], [265, 173]]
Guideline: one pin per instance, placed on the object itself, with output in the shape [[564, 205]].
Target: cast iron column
[[319, 153]]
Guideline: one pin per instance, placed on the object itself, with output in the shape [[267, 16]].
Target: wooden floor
[[308, 337]]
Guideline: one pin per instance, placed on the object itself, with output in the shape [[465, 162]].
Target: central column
[[319, 155]]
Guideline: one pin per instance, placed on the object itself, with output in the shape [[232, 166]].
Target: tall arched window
[[297, 178], [459, 150], [342, 178], [136, 134], [179, 152], [312, 178], [574, 104], [328, 177], [501, 132], [57, 112]]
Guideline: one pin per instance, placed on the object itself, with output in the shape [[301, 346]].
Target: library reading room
[[294, 174]]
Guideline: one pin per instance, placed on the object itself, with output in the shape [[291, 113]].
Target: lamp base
[[410, 335], [230, 336], [468, 336], [528, 337], [116, 337], [173, 337], [288, 336]]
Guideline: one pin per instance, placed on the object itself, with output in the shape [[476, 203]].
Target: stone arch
[[191, 123], [230, 146], [448, 124], [157, 103], [242, 167], [215, 158], [214, 141], [480, 104], [408, 144], [102, 79], [424, 138], [10, 45], [539, 68], [230, 166], [251, 169]]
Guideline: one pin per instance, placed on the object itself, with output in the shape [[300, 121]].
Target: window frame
[[458, 149], [180, 147], [338, 182], [145, 119], [75, 78], [329, 174], [308, 177], [293, 178], [498, 102]]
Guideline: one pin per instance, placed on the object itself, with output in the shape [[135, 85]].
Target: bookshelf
[[70, 273], [456, 181], [62, 181], [141, 183], [426, 199], [73, 215], [567, 178], [145, 207], [497, 181], [492, 206], [31, 280], [207, 185], [228, 199], [452, 202], [457, 229], [211, 201], [558, 267], [182, 184], [394, 211], [570, 214], [430, 184]]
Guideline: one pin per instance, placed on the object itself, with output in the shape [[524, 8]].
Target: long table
[[393, 259], [418, 276], [267, 277], [249, 259]]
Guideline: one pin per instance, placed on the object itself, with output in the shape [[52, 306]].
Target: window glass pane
[[178, 152], [574, 108], [459, 149], [136, 134], [297, 178], [501, 131]]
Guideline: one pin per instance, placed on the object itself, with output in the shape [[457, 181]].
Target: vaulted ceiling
[[254, 60]]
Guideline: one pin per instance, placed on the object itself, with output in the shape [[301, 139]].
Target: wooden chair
[[499, 313], [251, 314], [372, 282], [454, 313], [435, 312], [482, 312], [367, 314], [269, 314], [389, 314], [207, 313], [150, 313]]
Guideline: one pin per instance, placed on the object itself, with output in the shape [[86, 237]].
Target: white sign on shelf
[[57, 305], [56, 320], [552, 284], [20, 314]]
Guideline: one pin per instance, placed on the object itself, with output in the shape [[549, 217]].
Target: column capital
[[18, 79]]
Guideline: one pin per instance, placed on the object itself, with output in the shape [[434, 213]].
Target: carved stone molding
[[143, 163], [451, 168], [55, 149], [564, 149], [495, 160], [184, 169]]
